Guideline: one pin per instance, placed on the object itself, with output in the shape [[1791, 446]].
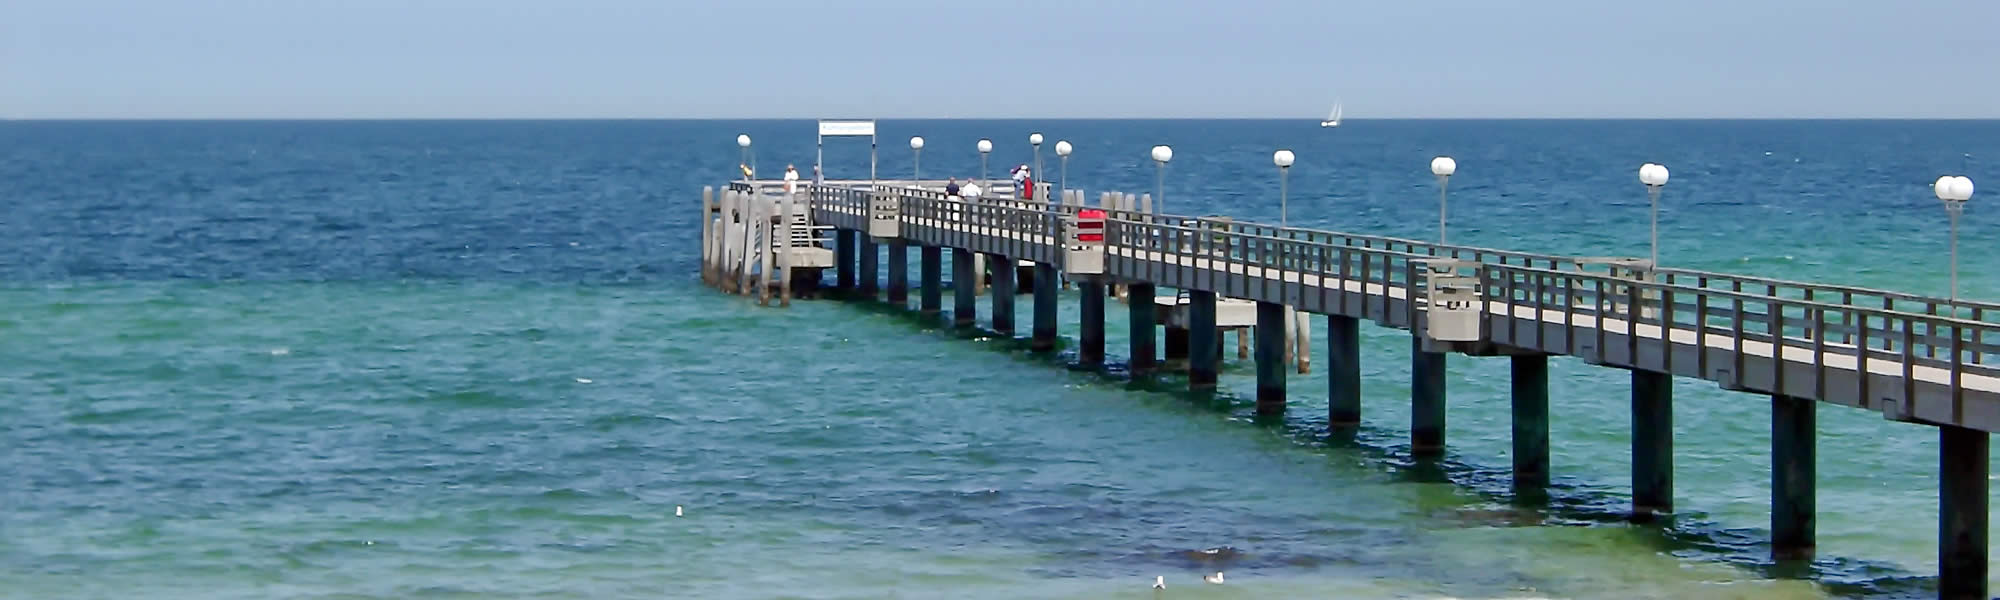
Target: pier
[[1913, 359]]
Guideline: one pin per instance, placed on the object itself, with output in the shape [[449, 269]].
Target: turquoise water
[[473, 360]]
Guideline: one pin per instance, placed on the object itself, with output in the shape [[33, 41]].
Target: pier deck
[[1911, 358]]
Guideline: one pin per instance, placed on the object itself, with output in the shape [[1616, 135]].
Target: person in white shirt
[[791, 180], [970, 192]]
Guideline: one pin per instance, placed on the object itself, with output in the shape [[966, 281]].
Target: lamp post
[[1062, 161], [985, 147], [1442, 167], [743, 144], [1161, 156], [1035, 139], [1282, 158], [1954, 192], [917, 163], [1655, 177]]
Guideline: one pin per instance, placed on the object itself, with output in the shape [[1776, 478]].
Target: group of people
[[1024, 184]]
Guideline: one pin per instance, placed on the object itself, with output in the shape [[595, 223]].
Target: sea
[[473, 359]]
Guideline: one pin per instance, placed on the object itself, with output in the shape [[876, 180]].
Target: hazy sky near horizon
[[1026, 58]]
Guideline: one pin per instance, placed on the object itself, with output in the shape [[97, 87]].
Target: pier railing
[[1889, 348]]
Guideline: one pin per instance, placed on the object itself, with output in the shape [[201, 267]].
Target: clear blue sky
[[1024, 58]]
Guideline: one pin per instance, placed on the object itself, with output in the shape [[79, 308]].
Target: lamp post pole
[[1442, 167], [1954, 191], [1161, 156], [985, 147], [1283, 158], [1655, 177], [1062, 160]]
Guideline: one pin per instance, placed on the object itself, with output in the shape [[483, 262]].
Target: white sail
[[1332, 118]]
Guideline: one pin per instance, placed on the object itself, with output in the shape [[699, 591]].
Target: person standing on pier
[[971, 190], [791, 180], [818, 178], [951, 187]]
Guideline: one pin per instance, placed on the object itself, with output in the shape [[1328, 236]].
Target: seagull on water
[[1159, 582], [1216, 578]]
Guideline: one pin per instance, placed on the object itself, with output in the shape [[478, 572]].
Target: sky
[[1016, 59]]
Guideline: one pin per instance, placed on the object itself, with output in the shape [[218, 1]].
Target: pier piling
[[1962, 498], [1530, 386], [1140, 302], [1271, 339], [1652, 443], [843, 258], [1091, 350], [707, 234], [783, 243], [899, 273], [1045, 308], [1343, 371], [1427, 400], [1176, 349], [1793, 511], [964, 307], [930, 270], [1003, 294], [871, 272], [1204, 343]]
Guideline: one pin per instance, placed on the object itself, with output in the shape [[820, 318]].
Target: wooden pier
[[1914, 359]]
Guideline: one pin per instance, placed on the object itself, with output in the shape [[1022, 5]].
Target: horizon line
[[878, 119]]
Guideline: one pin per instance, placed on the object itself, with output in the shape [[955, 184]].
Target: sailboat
[[1333, 119]]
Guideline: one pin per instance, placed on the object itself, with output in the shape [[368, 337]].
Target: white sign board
[[839, 128]]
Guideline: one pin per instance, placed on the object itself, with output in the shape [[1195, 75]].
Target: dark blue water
[[396, 359]]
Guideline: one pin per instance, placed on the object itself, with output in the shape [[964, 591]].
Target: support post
[[1793, 481], [964, 307], [899, 273], [707, 224], [1177, 349], [1531, 421], [1962, 472], [930, 269], [1140, 306], [1652, 443], [843, 258], [1343, 372], [871, 275], [1427, 407], [1271, 340], [783, 246], [764, 252], [1045, 308], [1003, 294], [1092, 350], [1204, 344]]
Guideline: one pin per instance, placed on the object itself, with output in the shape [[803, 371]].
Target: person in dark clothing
[[951, 187]]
